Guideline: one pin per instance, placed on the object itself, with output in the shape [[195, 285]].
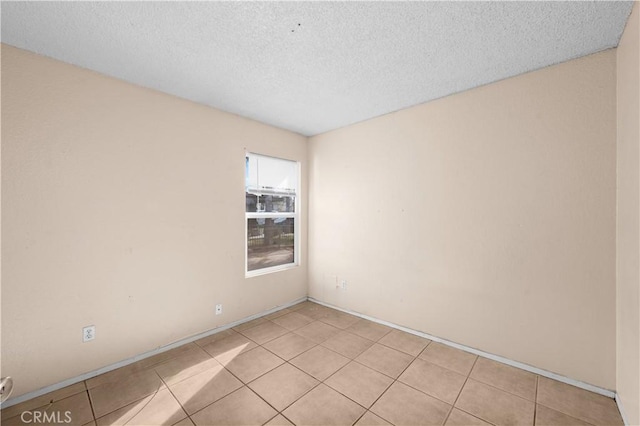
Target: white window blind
[[269, 175]]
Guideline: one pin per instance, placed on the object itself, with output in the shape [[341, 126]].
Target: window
[[271, 192]]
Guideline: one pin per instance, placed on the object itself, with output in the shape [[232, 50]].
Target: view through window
[[271, 214]]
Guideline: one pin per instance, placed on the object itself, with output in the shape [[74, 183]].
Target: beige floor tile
[[215, 337], [370, 419], [184, 422], [224, 350], [43, 400], [168, 355], [111, 396], [495, 406], [319, 362], [293, 321], [116, 375], [157, 409], [359, 383], [265, 332], [283, 385], [402, 405], [385, 360], [253, 364], [460, 418], [317, 331], [76, 406], [301, 305], [322, 348], [433, 380], [18, 420], [579, 403], [198, 391], [448, 357], [323, 406], [277, 314], [315, 311], [369, 329], [247, 325], [548, 417], [139, 366], [289, 345], [185, 366], [242, 407], [505, 377], [347, 344], [339, 319], [279, 420], [404, 342]]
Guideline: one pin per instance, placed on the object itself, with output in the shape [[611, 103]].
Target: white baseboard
[[619, 404], [498, 358], [94, 373], [535, 370]]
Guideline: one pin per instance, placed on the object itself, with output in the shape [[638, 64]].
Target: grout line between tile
[[385, 374], [265, 401], [400, 350], [153, 394], [461, 389], [323, 381], [288, 419], [266, 372], [176, 398], [474, 416], [306, 350], [277, 414], [535, 401], [213, 402], [421, 391], [346, 396], [297, 399], [93, 411], [316, 344], [522, 366], [188, 417], [569, 415], [301, 353], [361, 416], [391, 384], [501, 390]]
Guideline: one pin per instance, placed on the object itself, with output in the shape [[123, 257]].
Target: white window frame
[[265, 215]]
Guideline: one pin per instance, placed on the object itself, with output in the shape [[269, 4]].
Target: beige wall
[[124, 208], [486, 218], [628, 229]]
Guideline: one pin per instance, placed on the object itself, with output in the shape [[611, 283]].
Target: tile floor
[[310, 365]]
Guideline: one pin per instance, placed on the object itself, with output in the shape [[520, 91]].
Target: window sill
[[264, 271]]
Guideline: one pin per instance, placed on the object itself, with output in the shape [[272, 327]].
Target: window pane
[[270, 242], [270, 203]]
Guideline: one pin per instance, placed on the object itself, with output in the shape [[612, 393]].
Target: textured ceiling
[[313, 66]]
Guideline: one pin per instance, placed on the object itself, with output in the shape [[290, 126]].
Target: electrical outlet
[[219, 309], [88, 333], [343, 284], [6, 386]]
